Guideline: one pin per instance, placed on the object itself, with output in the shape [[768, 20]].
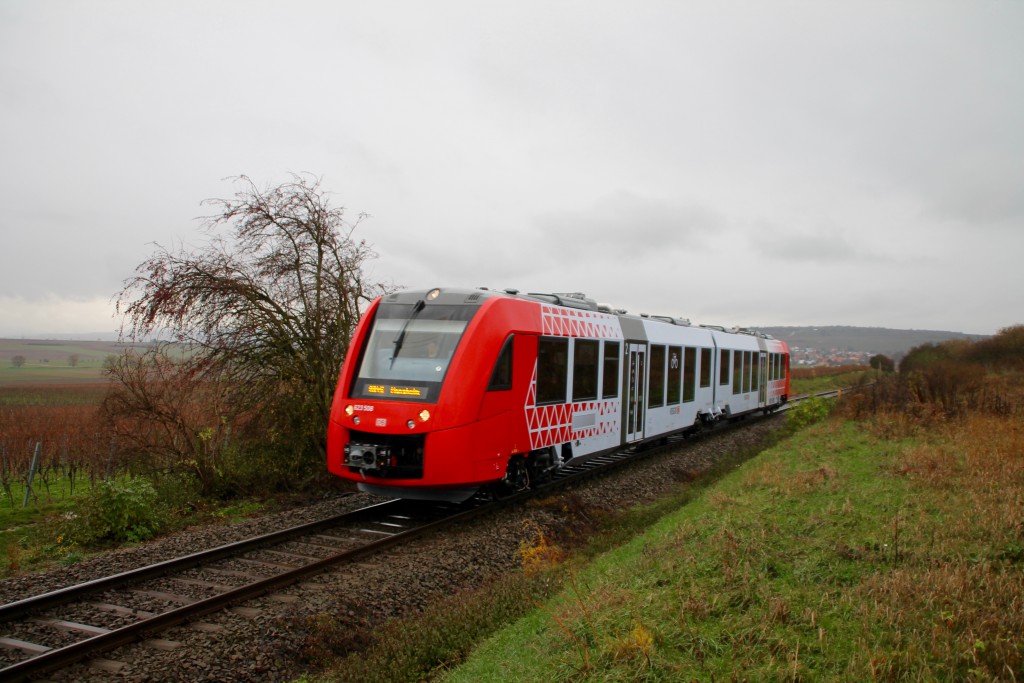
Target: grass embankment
[[885, 548], [853, 551]]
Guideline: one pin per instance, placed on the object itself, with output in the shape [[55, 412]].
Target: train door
[[635, 402], [762, 379]]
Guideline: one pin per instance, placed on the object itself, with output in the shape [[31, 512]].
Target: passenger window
[[689, 374], [610, 382], [656, 392], [675, 374], [584, 370], [705, 368], [724, 360], [737, 372], [748, 370], [501, 377], [552, 369]]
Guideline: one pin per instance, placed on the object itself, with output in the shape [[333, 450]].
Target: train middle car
[[449, 390]]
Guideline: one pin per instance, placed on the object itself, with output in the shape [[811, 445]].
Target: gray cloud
[[632, 226], [823, 246], [697, 158]]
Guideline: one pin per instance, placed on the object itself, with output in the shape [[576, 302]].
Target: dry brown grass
[[958, 596]]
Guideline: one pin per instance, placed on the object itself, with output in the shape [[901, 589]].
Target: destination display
[[383, 390]]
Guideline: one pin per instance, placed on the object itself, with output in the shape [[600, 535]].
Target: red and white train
[[449, 390]]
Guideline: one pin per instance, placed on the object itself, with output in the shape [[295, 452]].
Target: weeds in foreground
[[536, 552]]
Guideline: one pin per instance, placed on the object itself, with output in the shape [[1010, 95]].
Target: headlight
[[424, 415], [349, 409]]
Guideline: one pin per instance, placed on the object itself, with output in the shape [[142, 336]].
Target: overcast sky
[[736, 163]]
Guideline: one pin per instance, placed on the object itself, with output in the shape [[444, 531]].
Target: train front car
[[408, 402], [446, 391]]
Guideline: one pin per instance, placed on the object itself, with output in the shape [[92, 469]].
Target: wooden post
[[31, 474]]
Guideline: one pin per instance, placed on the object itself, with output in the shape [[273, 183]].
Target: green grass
[[37, 536], [800, 385], [833, 556], [50, 361], [50, 374], [737, 581], [14, 513], [27, 540]]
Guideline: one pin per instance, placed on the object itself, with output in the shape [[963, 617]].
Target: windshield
[[409, 349]]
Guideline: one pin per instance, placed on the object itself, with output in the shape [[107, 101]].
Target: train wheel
[[540, 465], [517, 477]]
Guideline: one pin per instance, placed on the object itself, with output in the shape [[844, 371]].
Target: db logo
[[382, 422]]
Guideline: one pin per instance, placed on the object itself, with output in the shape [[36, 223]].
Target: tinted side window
[[610, 383], [737, 372], [705, 368], [724, 359], [656, 392], [584, 370], [501, 377], [748, 370], [689, 374], [552, 369], [675, 374]]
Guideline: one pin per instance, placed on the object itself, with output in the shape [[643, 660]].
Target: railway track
[[45, 633]]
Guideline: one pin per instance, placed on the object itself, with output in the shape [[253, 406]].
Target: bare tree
[[269, 303], [171, 413], [18, 361]]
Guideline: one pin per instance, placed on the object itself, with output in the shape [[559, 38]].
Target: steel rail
[[15, 610], [62, 657]]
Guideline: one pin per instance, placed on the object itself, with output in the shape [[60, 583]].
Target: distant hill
[[892, 343]]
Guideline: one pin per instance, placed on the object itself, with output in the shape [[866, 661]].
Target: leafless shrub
[[172, 413], [265, 309]]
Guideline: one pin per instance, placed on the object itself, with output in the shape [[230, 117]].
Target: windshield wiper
[[417, 307]]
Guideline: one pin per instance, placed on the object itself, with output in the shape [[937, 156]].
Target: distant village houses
[[805, 357]]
